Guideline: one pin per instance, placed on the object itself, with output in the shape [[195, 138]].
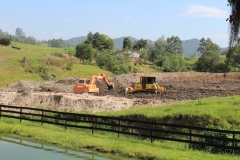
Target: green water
[[18, 149]]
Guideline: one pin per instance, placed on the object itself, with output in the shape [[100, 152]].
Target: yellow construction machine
[[89, 85], [147, 84]]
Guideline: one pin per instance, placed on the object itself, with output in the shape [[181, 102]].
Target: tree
[[102, 42], [234, 23], [59, 43], [234, 20], [171, 62], [160, 45], [106, 61], [84, 52], [89, 39], [140, 45], [210, 58], [127, 43], [235, 58], [203, 45], [208, 62], [174, 45], [19, 34]]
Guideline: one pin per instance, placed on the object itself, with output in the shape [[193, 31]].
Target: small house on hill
[[132, 54]]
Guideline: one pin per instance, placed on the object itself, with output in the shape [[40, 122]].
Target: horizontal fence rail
[[129, 127]]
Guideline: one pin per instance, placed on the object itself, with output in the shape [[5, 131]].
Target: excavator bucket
[[110, 87]]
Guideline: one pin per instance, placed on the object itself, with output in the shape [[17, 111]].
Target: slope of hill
[[75, 41], [39, 63], [190, 47]]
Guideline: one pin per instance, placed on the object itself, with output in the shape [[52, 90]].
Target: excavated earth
[[58, 95]]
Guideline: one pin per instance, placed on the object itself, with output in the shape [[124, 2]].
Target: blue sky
[[146, 19]]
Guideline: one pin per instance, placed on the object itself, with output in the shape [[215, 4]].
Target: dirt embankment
[[58, 95]]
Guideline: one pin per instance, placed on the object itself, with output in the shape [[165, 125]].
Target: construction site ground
[[58, 95]]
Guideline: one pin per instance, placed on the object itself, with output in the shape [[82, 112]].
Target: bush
[[206, 141], [5, 41], [120, 69], [69, 66]]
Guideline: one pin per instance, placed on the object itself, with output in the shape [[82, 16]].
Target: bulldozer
[[147, 85], [88, 85]]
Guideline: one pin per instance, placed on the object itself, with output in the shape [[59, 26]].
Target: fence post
[[233, 143], [92, 124], [21, 115], [42, 118], [152, 133], [66, 122], [119, 123], [190, 138]]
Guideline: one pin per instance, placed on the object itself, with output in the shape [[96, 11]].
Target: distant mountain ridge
[[189, 46]]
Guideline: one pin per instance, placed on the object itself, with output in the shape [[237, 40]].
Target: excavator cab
[[89, 85], [147, 84], [83, 85]]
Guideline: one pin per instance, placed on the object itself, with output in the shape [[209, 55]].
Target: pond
[[19, 149]]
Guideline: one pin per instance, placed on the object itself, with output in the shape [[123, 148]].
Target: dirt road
[[57, 95]]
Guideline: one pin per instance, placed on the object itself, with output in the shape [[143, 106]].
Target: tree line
[[166, 54], [20, 36]]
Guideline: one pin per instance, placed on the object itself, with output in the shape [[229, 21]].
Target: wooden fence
[[129, 127]]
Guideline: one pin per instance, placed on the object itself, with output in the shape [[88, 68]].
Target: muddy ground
[[58, 95]]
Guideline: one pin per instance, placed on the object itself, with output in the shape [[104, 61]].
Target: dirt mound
[[179, 86], [63, 85]]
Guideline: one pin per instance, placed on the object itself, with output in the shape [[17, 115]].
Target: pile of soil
[[58, 95], [179, 85]]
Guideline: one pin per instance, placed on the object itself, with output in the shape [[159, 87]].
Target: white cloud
[[205, 11], [127, 18]]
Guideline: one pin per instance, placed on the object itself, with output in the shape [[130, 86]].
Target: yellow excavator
[[89, 85], [147, 84]]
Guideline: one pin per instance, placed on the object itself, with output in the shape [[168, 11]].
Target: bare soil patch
[[58, 95]]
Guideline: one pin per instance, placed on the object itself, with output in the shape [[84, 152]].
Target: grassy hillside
[[218, 111], [40, 62]]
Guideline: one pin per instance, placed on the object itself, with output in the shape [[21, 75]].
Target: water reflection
[[19, 149]]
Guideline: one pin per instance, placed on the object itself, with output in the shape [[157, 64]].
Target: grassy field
[[104, 142], [41, 61], [224, 111]]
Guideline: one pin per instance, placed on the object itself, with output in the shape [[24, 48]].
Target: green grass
[[105, 142], [221, 110], [48, 58]]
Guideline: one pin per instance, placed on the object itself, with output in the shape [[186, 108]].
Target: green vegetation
[[5, 41], [211, 111], [104, 142], [39, 63]]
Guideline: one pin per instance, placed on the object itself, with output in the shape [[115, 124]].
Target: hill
[[39, 63], [190, 47]]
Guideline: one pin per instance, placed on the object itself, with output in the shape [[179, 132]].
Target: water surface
[[19, 149]]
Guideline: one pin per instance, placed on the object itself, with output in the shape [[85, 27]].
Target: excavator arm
[[101, 76]]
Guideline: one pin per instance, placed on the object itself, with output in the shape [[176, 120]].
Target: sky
[[146, 19]]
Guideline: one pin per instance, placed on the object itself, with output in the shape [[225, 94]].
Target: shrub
[[207, 141], [5, 41]]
